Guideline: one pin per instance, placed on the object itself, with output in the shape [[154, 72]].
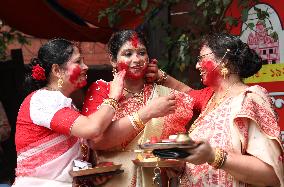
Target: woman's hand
[[201, 154], [152, 72], [161, 106], [116, 86]]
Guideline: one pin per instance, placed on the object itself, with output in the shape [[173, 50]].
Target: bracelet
[[163, 78], [111, 102], [220, 158], [136, 121]]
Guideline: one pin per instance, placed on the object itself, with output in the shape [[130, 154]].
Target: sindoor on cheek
[[211, 73]]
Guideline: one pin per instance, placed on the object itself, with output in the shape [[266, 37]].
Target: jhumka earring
[[59, 82], [224, 70], [114, 71]]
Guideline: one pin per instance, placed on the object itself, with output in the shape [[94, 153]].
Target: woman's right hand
[[116, 86], [161, 106]]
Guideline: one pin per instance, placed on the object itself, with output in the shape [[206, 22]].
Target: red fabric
[[176, 122], [27, 132], [95, 95], [63, 120], [235, 12], [201, 97], [173, 123], [24, 127], [26, 167], [39, 19]]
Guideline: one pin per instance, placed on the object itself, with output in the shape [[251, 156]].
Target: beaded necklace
[[206, 110]]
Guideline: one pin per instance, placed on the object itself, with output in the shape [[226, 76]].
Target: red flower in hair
[[38, 73]]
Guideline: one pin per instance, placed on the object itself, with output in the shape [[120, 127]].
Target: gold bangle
[[220, 158], [163, 78], [131, 119], [138, 120], [111, 102]]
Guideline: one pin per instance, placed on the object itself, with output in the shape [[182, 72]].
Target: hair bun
[[250, 62]]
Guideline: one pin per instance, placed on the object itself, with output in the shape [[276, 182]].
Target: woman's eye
[[142, 53], [128, 54]]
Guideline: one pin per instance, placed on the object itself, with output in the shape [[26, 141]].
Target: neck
[[225, 84], [134, 85], [54, 87]]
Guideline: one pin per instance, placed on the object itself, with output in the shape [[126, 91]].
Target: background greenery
[[180, 44]]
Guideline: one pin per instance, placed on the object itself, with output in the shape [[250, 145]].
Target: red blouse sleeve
[[95, 95], [63, 120], [201, 97]]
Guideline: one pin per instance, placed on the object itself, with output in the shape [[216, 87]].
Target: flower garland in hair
[[38, 73]]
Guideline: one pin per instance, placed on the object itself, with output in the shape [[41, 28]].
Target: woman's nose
[[84, 66], [197, 65]]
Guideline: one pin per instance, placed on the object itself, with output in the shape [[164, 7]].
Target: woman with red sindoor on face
[[237, 129], [48, 125], [145, 110]]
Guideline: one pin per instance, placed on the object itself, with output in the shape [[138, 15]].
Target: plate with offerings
[[146, 158], [103, 169], [181, 141]]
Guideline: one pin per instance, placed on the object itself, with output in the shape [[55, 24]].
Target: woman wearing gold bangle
[[237, 128], [141, 111]]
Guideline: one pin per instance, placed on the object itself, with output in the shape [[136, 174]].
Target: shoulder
[[257, 94], [44, 104], [50, 98]]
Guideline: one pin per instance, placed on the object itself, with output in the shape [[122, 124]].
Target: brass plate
[[161, 163], [95, 170], [168, 145]]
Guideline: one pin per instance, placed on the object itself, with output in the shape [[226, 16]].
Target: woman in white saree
[[238, 131], [49, 127]]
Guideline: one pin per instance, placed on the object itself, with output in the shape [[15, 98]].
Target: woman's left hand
[[201, 154]]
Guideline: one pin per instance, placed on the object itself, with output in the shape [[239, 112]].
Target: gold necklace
[[206, 110], [139, 96]]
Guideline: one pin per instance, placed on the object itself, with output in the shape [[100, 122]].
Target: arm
[[122, 129], [95, 124], [154, 74], [250, 169], [245, 168]]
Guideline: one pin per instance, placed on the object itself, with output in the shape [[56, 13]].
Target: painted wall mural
[[267, 39]]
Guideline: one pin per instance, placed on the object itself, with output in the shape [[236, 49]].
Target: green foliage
[[8, 36], [204, 16]]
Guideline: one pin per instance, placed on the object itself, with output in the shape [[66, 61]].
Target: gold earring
[[224, 71], [59, 82], [114, 70]]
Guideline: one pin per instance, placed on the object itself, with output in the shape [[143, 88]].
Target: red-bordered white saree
[[244, 124], [45, 149]]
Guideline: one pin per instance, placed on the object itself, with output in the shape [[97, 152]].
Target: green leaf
[[251, 25], [205, 12], [274, 35], [144, 4], [226, 2], [245, 14], [218, 10], [200, 2]]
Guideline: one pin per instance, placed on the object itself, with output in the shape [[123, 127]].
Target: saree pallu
[[160, 127], [47, 162], [245, 124]]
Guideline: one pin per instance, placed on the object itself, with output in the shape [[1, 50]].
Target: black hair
[[120, 37], [241, 59], [56, 51]]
